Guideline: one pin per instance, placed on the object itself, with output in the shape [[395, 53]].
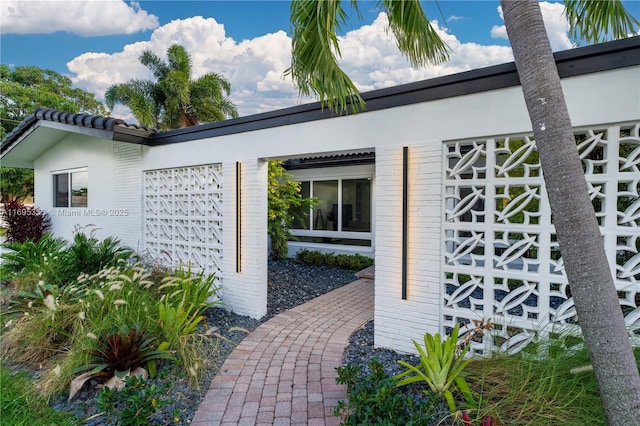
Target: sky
[[97, 42]]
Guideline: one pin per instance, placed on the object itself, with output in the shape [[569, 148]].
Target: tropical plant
[[118, 355], [284, 202], [315, 68], [441, 367], [186, 297], [174, 100], [133, 405], [375, 400], [31, 256], [25, 222], [88, 255]]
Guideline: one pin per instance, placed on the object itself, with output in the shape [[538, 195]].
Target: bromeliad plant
[[117, 356], [441, 367]]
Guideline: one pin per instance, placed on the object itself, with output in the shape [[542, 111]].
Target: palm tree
[[174, 100], [315, 69]]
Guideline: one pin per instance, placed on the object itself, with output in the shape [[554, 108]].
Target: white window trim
[[336, 234], [67, 172]]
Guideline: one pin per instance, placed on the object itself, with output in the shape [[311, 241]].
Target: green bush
[[352, 262], [42, 257], [88, 255], [284, 202], [187, 295], [59, 262], [133, 405], [374, 399]]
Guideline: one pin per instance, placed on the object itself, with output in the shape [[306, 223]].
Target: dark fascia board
[[570, 63], [350, 159]]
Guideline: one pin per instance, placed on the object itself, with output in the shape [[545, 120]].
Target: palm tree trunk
[[588, 272]]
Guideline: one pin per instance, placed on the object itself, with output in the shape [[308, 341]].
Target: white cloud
[[555, 22], [499, 31], [85, 18], [255, 67], [370, 56], [454, 18]]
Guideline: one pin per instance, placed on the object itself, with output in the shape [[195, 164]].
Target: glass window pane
[[79, 189], [325, 214], [302, 219], [356, 205], [61, 190]]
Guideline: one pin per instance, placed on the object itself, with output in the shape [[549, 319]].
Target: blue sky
[[97, 42]]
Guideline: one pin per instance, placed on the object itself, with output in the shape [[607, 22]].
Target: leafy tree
[[315, 68], [284, 202], [22, 90], [174, 100], [15, 184]]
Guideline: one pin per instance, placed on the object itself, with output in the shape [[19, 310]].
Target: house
[[439, 178]]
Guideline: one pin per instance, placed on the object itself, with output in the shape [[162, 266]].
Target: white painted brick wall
[[245, 292], [398, 321], [127, 194]]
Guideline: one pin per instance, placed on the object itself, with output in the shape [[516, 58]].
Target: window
[[70, 188], [343, 213]]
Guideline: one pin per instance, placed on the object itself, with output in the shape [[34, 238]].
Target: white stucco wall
[[114, 187], [592, 99]]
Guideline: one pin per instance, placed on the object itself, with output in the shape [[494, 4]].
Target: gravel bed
[[289, 284]]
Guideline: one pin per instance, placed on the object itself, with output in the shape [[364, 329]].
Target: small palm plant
[[441, 366]]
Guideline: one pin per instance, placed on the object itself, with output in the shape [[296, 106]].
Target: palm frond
[[178, 59], [154, 63], [595, 21], [415, 36], [314, 64]]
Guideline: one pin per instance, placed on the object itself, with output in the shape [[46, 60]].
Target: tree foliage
[[22, 90], [284, 202], [15, 184], [173, 100]]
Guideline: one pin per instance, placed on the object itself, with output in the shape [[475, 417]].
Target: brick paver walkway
[[283, 373]]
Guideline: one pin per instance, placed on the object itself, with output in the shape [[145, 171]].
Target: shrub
[[187, 296], [42, 256], [544, 384], [375, 399], [88, 255], [284, 202], [133, 405], [45, 329], [25, 223], [352, 262]]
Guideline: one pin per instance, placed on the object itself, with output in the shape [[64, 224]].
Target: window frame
[[339, 234], [69, 173]]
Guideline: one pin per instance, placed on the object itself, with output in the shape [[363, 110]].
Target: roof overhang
[[42, 136], [45, 128]]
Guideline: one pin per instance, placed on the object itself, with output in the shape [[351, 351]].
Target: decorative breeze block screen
[[501, 256], [183, 216]]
